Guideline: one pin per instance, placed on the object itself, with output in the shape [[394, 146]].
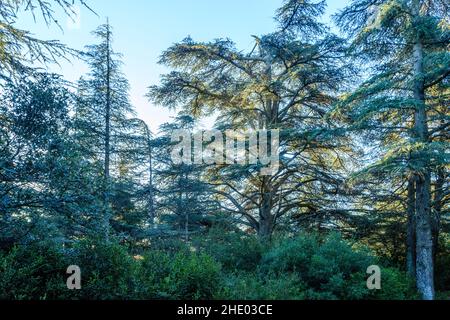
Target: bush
[[107, 271], [186, 275], [338, 271], [193, 277], [331, 269], [234, 250], [305, 267], [253, 286], [154, 268], [169, 245], [395, 285], [290, 255], [35, 272]]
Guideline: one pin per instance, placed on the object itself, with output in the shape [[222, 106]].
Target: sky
[[143, 29]]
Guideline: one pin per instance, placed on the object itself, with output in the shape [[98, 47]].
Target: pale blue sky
[[145, 28]]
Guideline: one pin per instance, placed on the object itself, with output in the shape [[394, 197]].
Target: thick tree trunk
[[411, 228], [265, 227], [266, 219], [424, 239], [424, 246], [437, 209]]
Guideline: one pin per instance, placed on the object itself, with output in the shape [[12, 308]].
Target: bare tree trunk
[[424, 239], [411, 228]]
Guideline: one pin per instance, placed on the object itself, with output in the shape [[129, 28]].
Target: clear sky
[[145, 28]]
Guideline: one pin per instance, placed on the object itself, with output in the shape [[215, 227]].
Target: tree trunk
[[424, 253], [151, 204], [266, 219], [186, 227], [437, 209], [265, 228], [424, 239], [107, 136], [411, 228]]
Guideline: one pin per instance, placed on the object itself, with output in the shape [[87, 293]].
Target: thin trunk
[[411, 228], [186, 226], [182, 208], [424, 239], [107, 134], [151, 205]]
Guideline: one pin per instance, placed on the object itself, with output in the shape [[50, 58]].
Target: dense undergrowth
[[217, 266]]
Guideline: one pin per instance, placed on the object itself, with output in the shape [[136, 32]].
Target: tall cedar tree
[[184, 200], [103, 111], [408, 43], [287, 82]]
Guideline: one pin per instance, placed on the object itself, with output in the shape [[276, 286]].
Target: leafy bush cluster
[[35, 272], [307, 267], [234, 250], [190, 276], [232, 266], [109, 272]]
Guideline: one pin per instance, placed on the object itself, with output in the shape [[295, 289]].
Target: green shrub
[[305, 267], [169, 245], [107, 271], [338, 271], [443, 295], [193, 277], [154, 268], [234, 250], [253, 286], [185, 275], [290, 255], [35, 272], [331, 269], [395, 285]]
